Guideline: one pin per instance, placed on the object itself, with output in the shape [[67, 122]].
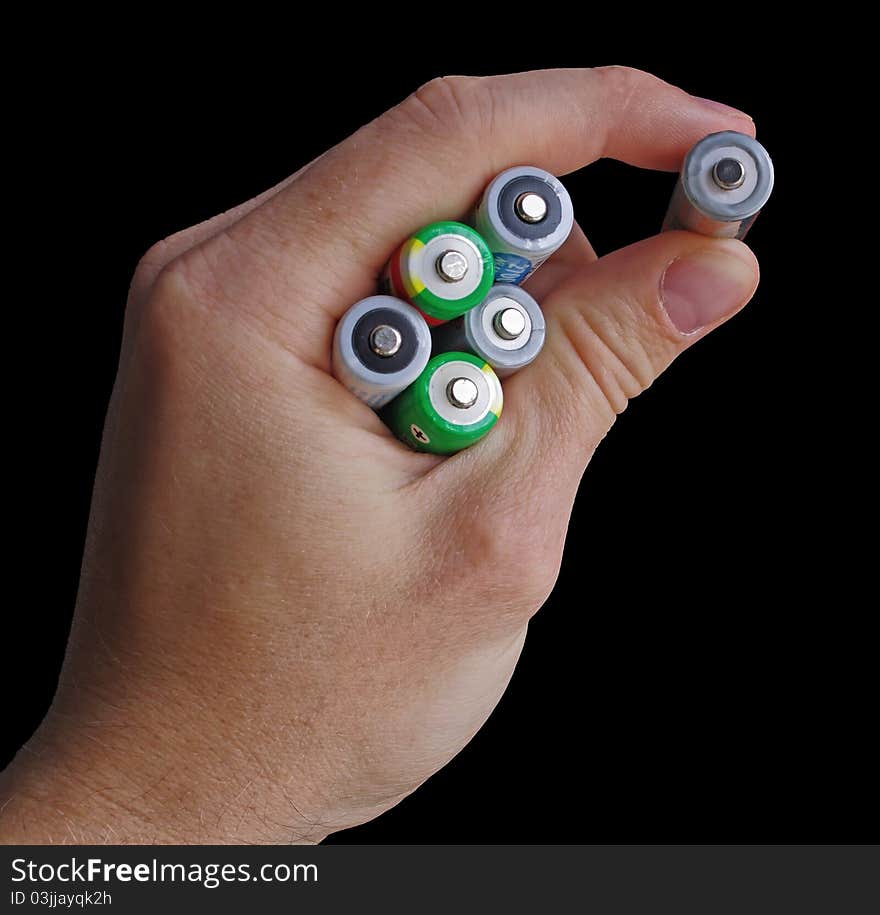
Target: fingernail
[[723, 109], [706, 286]]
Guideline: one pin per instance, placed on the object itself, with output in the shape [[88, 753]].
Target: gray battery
[[381, 345], [525, 214], [507, 330], [725, 181]]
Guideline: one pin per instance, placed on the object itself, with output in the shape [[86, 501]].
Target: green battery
[[444, 270], [450, 406]]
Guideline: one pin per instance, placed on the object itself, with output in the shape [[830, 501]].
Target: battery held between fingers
[[725, 181]]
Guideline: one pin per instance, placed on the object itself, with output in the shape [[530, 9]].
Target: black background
[[701, 672]]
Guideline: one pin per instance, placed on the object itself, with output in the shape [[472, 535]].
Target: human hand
[[286, 620]]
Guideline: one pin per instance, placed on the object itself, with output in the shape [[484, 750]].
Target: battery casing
[[421, 418], [520, 248], [474, 332], [373, 378], [700, 204], [411, 272]]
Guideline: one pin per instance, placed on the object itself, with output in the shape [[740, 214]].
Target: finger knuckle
[[149, 267], [158, 256], [171, 312], [620, 79], [447, 104], [614, 352]]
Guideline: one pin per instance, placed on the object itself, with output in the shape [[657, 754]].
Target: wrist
[[95, 774]]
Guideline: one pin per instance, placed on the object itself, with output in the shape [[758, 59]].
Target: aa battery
[[525, 214], [725, 180], [506, 330], [454, 402], [443, 270], [381, 345]]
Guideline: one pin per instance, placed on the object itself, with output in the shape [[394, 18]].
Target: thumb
[[612, 327]]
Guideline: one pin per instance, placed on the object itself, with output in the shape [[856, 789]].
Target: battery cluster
[[453, 319], [428, 352]]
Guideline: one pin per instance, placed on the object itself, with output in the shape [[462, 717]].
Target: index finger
[[430, 156]]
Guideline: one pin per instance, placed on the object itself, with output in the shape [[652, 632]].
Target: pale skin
[[287, 621]]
